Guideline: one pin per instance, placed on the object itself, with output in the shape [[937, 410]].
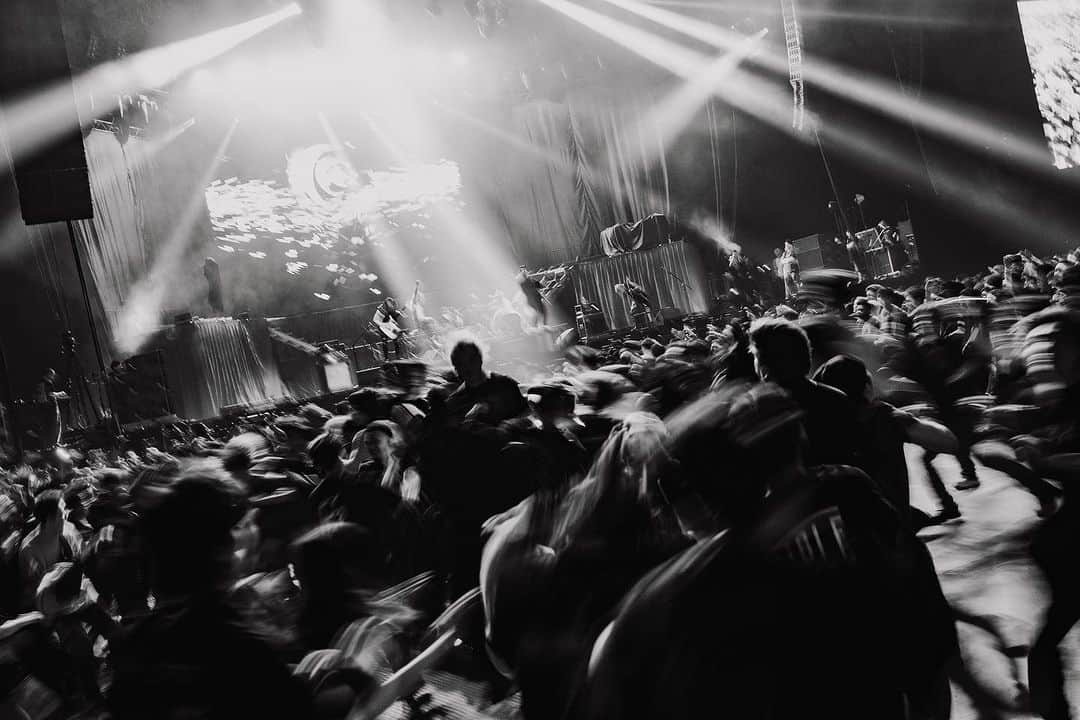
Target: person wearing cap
[[554, 410]]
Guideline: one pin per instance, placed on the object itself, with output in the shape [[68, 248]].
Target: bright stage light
[[949, 118], [771, 103], [142, 309], [35, 120], [672, 114], [665, 53]]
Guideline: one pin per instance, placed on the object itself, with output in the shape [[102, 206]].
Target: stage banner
[[671, 274], [642, 235], [217, 362]]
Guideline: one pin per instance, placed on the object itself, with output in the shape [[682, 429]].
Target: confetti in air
[[327, 206]]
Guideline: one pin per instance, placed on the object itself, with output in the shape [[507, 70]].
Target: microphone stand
[[677, 278]]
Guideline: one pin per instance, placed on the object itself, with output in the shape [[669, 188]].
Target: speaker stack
[[52, 179]]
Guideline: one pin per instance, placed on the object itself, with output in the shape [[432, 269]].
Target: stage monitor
[[1052, 34]]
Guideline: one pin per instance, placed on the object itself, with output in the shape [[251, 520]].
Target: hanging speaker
[[53, 181]]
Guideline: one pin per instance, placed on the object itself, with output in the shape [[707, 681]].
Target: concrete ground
[[996, 592]]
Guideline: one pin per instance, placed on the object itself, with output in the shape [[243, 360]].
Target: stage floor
[[995, 590]]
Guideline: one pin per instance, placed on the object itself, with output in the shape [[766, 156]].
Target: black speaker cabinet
[[50, 170]]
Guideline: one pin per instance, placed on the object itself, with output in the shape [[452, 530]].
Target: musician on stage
[[640, 304], [46, 424], [890, 239], [587, 306], [390, 322], [45, 390], [533, 292]]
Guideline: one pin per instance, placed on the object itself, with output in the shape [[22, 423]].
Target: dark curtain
[[113, 243], [148, 216], [592, 162], [40, 287], [662, 271], [217, 362]]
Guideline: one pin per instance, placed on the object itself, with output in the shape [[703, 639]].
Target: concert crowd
[[712, 518]]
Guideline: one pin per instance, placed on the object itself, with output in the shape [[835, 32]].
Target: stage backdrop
[[672, 275], [213, 363], [143, 245], [597, 160]]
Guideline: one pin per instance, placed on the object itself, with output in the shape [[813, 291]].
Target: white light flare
[[936, 114], [771, 104], [141, 312], [672, 114], [36, 119], [669, 55]]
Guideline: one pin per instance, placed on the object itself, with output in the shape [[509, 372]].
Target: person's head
[[379, 438], [336, 566], [781, 350], [391, 304], [889, 297], [365, 405], [732, 445], [777, 252], [1014, 265], [334, 558], [873, 291], [952, 289], [789, 247], [50, 375], [297, 432], [48, 512], [862, 308], [933, 287], [1068, 285], [468, 362], [847, 374], [915, 295], [1051, 353], [243, 451], [325, 453], [187, 524], [77, 497]]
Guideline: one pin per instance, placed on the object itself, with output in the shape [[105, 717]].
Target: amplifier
[[866, 239], [808, 251], [879, 263], [590, 324], [336, 376]]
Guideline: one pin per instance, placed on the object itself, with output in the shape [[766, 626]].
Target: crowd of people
[[711, 518]]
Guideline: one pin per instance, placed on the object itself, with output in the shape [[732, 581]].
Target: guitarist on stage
[[390, 322]]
